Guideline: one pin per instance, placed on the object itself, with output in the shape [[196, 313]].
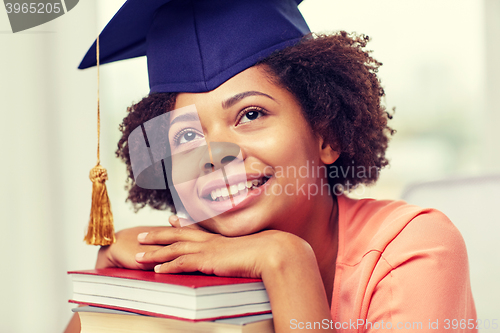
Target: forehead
[[255, 78]]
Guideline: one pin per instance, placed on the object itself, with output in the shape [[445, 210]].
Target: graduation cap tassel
[[101, 230]]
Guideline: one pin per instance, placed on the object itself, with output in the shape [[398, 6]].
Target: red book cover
[[154, 314], [189, 280]]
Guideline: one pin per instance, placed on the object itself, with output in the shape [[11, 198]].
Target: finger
[[167, 253], [187, 223], [145, 267], [178, 222], [166, 236], [195, 226], [183, 264], [174, 221]]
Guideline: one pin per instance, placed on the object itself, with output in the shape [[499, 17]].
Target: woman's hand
[[192, 248], [122, 252], [286, 263]]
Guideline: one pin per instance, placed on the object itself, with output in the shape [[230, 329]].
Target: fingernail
[[157, 268], [142, 236], [174, 218], [139, 256]]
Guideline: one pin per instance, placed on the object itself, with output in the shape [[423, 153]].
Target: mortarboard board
[[196, 45]]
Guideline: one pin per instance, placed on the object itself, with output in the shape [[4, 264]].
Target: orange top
[[400, 267]]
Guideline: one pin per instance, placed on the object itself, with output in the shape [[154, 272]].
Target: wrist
[[103, 258]]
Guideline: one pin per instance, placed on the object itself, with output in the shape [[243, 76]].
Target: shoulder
[[394, 228], [398, 262]]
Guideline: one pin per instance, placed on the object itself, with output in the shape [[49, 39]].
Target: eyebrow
[[190, 116], [238, 97]]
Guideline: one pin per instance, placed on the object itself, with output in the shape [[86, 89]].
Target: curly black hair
[[335, 81]]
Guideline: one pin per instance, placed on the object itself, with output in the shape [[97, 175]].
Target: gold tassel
[[101, 230]]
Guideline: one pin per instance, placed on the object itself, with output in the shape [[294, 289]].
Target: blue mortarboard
[[196, 45]]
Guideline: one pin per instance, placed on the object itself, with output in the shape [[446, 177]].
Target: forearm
[[296, 290], [73, 325]]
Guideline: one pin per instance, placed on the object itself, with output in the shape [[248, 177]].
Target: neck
[[321, 232]]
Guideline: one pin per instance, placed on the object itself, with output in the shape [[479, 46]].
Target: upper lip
[[234, 179]]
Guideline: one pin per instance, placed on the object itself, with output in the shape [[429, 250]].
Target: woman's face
[[243, 156]]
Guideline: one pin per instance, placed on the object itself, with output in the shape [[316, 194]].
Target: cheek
[[181, 171], [183, 176], [293, 158], [185, 191], [290, 151], [186, 166], [274, 145]]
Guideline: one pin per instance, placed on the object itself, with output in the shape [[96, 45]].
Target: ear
[[326, 152]]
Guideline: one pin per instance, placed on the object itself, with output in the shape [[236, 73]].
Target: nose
[[218, 155]]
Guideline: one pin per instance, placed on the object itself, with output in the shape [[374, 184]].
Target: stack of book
[[169, 302]]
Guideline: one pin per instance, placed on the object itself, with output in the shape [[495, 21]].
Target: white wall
[[48, 146], [492, 68]]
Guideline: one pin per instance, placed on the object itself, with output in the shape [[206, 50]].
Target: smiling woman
[[280, 120], [310, 107]]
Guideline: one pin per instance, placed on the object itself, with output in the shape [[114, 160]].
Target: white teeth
[[223, 192], [241, 186], [233, 189]]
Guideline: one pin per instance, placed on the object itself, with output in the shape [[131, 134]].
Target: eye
[[251, 114], [186, 136]]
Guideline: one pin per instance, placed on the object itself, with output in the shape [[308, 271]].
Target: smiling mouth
[[224, 193]]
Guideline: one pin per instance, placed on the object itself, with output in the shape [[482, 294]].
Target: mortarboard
[[196, 45], [191, 46]]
